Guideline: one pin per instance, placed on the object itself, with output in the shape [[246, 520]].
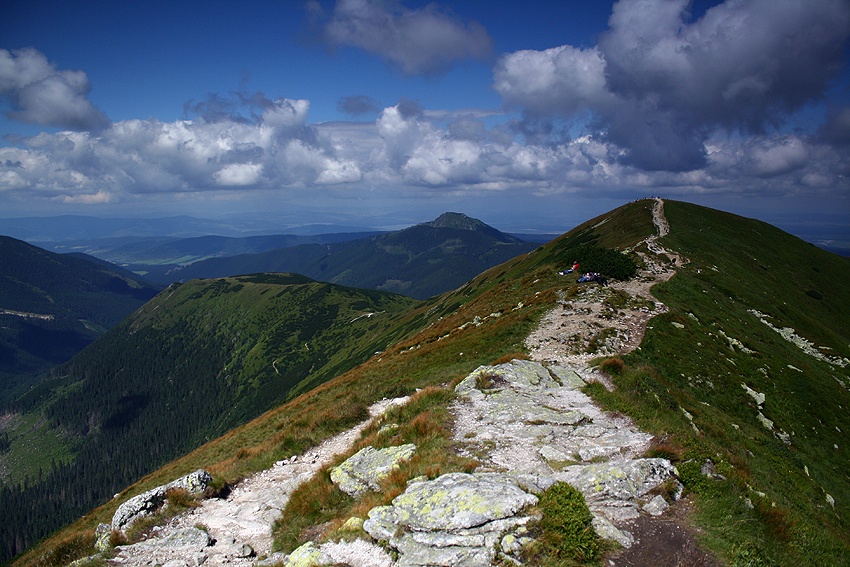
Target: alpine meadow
[[716, 360]]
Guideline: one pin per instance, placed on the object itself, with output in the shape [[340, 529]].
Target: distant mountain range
[[420, 261], [53, 305]]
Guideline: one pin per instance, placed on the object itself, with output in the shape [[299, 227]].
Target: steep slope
[[53, 305], [723, 380], [420, 261], [198, 360]]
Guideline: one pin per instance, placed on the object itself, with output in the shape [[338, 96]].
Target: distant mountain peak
[[460, 221], [456, 220]]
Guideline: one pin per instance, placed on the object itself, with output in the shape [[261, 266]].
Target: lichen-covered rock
[[535, 422], [623, 479], [102, 536], [457, 519], [150, 502], [366, 469], [308, 555], [656, 506]]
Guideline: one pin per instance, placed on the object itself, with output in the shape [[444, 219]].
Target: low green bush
[[566, 533]]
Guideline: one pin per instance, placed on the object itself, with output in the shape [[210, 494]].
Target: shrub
[[566, 530], [611, 263], [613, 366]]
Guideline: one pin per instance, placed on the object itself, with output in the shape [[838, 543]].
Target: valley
[[673, 361]]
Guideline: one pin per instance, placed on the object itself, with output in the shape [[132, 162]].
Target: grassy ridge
[[698, 358], [772, 508]]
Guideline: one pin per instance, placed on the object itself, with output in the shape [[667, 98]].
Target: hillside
[[196, 361], [53, 305], [420, 261], [741, 372]]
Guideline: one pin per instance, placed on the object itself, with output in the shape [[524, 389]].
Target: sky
[[534, 115]]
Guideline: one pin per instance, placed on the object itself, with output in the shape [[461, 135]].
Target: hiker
[[570, 270]]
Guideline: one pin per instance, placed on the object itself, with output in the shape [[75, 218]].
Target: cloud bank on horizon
[[662, 103]]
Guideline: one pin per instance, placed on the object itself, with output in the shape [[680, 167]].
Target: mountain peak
[[460, 221], [456, 220]]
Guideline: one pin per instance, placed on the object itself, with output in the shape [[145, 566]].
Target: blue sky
[[527, 115]]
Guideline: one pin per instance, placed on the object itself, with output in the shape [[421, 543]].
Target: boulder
[[366, 469], [621, 479], [151, 501], [102, 535], [457, 519], [308, 555]]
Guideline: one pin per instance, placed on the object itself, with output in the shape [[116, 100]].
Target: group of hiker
[[584, 278]]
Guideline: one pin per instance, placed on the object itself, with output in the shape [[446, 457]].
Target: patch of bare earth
[[664, 541]]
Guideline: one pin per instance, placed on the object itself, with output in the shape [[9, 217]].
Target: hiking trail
[[579, 328]]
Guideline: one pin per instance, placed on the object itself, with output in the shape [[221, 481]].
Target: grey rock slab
[[149, 502], [368, 467], [455, 519], [530, 420], [623, 479]]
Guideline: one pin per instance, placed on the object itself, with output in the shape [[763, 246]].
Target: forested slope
[[53, 305], [198, 360]]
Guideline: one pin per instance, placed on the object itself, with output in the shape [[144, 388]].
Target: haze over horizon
[[381, 113]]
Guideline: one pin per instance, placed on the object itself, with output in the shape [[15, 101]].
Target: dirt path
[[597, 321]]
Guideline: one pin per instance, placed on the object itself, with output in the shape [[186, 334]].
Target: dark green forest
[[195, 362], [53, 305]]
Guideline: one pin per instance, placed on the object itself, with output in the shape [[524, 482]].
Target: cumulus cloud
[[38, 93], [658, 85], [422, 41], [407, 147], [275, 150]]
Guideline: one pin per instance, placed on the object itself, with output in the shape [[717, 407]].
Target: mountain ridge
[[420, 261], [52, 305], [683, 384]]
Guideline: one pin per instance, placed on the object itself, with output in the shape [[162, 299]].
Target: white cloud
[[561, 79], [777, 156], [427, 40], [239, 174], [37, 93], [404, 150]]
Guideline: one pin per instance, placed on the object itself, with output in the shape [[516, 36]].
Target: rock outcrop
[[151, 501], [368, 467], [535, 422], [457, 519]]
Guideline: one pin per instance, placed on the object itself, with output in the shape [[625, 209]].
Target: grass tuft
[[566, 535]]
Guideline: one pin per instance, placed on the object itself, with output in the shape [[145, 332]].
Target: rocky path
[[531, 422], [609, 320], [235, 530]]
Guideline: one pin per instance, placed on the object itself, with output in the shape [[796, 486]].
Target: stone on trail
[[623, 479], [150, 502], [457, 519], [366, 469]]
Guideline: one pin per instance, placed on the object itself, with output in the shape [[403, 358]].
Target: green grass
[[564, 532], [768, 511], [33, 445], [687, 362]]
